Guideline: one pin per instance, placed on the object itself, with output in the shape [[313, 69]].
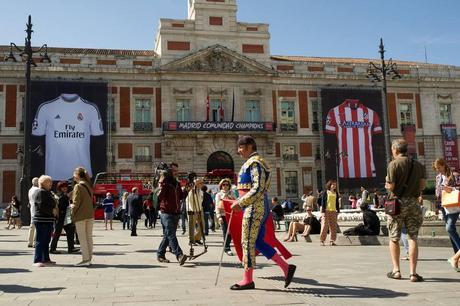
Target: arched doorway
[[220, 160]]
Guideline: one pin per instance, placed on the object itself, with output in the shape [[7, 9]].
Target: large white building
[[211, 54]]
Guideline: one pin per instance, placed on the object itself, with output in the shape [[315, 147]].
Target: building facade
[[212, 78]]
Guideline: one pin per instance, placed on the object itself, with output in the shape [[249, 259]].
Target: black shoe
[[163, 259], [74, 250], [181, 259], [55, 252], [290, 275], [183, 232], [249, 286], [134, 234]]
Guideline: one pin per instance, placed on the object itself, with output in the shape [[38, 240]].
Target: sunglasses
[[225, 185]]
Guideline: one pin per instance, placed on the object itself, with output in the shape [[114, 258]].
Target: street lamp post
[[27, 52], [380, 73]]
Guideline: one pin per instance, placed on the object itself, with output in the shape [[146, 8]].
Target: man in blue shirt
[[108, 204]]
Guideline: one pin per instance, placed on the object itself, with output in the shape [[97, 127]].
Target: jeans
[[85, 235], [125, 218], [224, 232], [183, 219], [206, 223], [451, 220], [42, 241], [170, 223], [404, 240]]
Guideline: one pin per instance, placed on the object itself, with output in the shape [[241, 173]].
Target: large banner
[[68, 128], [353, 137], [449, 138]]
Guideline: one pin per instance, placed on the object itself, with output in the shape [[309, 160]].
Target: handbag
[[450, 199], [393, 206], [68, 216]]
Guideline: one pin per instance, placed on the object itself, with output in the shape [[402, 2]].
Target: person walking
[[447, 181], [170, 195], [330, 208], [31, 195], [253, 185], [83, 214], [63, 203], [124, 210], [147, 206], [224, 193], [15, 215], [134, 209], [405, 180], [43, 220], [108, 205], [208, 206]]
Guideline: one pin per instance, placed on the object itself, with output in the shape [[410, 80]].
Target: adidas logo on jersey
[[57, 117]]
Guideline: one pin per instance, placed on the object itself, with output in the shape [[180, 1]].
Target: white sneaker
[[84, 263], [39, 264], [229, 253]]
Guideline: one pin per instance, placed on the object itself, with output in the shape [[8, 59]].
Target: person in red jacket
[[169, 196]]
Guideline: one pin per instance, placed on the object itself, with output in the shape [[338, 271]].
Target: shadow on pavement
[[432, 259], [113, 244], [332, 290], [13, 253], [12, 270], [442, 280], [146, 251], [124, 266], [227, 264], [108, 253], [26, 289]]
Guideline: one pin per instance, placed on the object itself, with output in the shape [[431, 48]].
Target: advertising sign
[[353, 139], [67, 128], [449, 138]]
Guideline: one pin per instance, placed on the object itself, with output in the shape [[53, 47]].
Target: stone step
[[424, 241]]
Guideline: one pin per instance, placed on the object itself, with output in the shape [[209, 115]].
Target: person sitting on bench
[[310, 225]]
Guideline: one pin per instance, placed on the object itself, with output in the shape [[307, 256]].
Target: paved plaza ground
[[125, 272]]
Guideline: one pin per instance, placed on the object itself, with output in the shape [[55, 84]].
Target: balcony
[[143, 126], [288, 127], [290, 157], [203, 126], [143, 158]]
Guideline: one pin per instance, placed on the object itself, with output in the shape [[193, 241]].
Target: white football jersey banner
[[67, 122], [354, 125]]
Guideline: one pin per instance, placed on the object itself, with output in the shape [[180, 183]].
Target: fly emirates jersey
[[354, 126], [68, 122]]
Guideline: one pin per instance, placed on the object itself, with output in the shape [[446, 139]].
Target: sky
[[323, 28]]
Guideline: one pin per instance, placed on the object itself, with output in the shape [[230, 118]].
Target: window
[[290, 180], [287, 112], [405, 111], [143, 109], [289, 152], [252, 111], [143, 154], [216, 113], [445, 113], [183, 110], [315, 115]]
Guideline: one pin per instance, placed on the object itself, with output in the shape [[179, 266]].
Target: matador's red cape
[[235, 229]]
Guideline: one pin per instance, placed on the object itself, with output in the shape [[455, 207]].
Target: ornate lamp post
[[380, 73], [27, 53]]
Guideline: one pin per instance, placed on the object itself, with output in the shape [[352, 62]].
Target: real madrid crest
[[80, 116]]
